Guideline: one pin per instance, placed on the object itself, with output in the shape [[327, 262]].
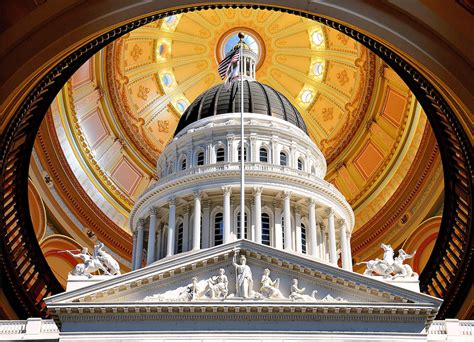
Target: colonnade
[[324, 236]]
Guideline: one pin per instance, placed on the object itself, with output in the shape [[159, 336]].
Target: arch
[[200, 156], [447, 113], [236, 221], [183, 162], [246, 152], [300, 164], [179, 237]]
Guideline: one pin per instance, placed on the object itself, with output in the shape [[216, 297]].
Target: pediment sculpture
[[217, 287], [390, 267], [99, 261]]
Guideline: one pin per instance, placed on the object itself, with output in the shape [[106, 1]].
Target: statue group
[[217, 287], [391, 266], [99, 261]]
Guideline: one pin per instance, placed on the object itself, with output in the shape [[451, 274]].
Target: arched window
[[245, 153], [179, 238], [283, 159], [220, 155], [183, 163], [239, 234], [266, 229], [300, 164], [263, 155], [200, 158], [303, 238], [218, 229]]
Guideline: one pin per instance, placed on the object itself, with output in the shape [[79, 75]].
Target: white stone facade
[[289, 205]]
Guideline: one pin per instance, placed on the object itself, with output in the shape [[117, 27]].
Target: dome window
[[303, 238], [317, 38], [318, 68], [183, 164], [265, 229], [167, 79], [179, 238], [307, 96], [283, 159], [181, 105], [245, 153], [218, 229], [300, 164], [220, 155], [200, 158], [263, 155]]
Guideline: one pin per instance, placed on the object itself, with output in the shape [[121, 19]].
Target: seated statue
[[269, 288], [217, 285], [296, 294]]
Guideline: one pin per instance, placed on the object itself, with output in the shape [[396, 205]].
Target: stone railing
[[31, 329], [249, 167], [451, 330]]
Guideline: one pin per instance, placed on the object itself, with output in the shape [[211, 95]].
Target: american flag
[[226, 63]]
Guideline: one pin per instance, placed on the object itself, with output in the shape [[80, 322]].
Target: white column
[[197, 221], [134, 249], [186, 228], [226, 234], [343, 239], [150, 256], [349, 252], [319, 237], [312, 241], [139, 253], [299, 237], [332, 237], [171, 226], [206, 213], [158, 243], [258, 213], [278, 240], [287, 218], [251, 233]]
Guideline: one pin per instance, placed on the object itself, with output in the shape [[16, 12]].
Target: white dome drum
[[196, 202]]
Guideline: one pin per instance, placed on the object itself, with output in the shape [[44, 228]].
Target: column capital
[[323, 227], [257, 190], [206, 204], [341, 222], [311, 201], [141, 222], [329, 211], [286, 194], [197, 194], [154, 211], [227, 189], [186, 209], [172, 201]]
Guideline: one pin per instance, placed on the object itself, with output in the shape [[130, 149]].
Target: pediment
[[170, 280]]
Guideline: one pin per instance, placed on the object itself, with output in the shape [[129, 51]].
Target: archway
[[31, 283]]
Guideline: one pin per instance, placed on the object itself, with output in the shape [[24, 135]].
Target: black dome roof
[[258, 98]]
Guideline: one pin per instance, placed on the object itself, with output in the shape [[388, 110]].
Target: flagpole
[[242, 141]]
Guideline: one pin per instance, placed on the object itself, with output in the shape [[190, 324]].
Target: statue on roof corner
[[100, 260], [390, 267]]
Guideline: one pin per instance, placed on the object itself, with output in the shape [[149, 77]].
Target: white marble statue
[[390, 267], [244, 281], [106, 259], [382, 267], [296, 294], [331, 299], [217, 286], [401, 270], [188, 293], [89, 266], [270, 288]]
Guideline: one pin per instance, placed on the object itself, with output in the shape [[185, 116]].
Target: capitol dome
[[258, 99]]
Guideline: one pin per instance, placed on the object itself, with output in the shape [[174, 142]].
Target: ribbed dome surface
[[258, 98]]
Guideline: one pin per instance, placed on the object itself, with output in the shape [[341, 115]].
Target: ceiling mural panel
[[121, 108]]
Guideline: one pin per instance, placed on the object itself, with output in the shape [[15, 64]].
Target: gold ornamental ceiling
[[117, 113]]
